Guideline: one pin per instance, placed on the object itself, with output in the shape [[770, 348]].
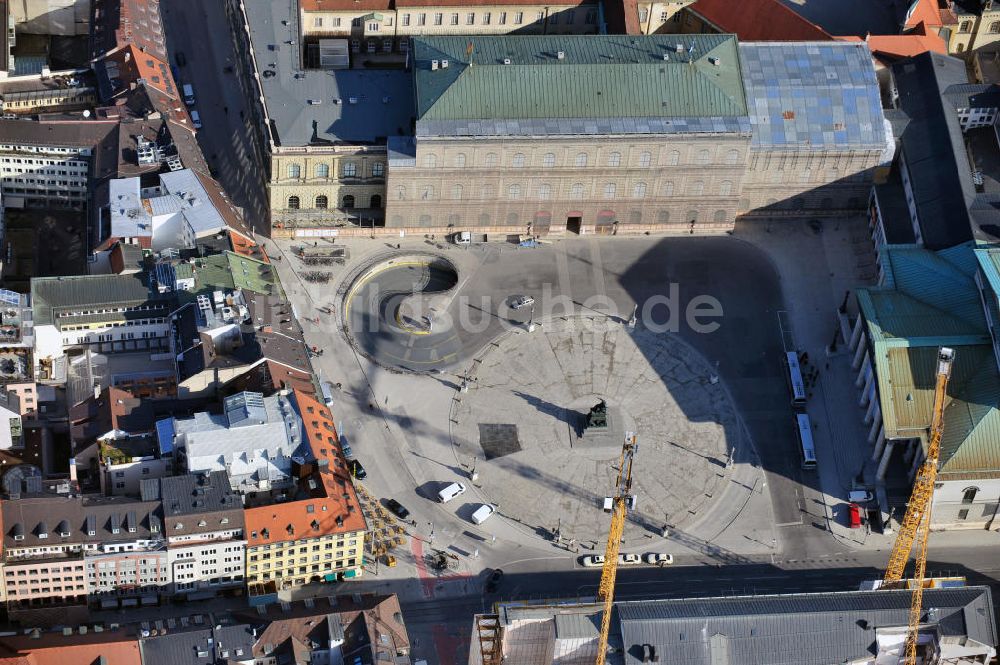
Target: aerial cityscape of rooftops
[[475, 332]]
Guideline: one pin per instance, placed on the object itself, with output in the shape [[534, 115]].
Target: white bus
[[793, 374], [806, 445]]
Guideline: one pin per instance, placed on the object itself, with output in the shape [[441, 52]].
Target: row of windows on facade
[[664, 16], [471, 18], [993, 29], [321, 202], [582, 159], [606, 217], [544, 191], [304, 570], [348, 170]]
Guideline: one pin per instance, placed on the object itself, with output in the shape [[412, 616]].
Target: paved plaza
[[540, 387]]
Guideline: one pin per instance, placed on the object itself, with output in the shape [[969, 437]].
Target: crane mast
[[606, 589], [917, 522]]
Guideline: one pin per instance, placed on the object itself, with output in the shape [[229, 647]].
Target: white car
[[860, 496], [592, 561], [659, 559], [483, 513], [629, 559]]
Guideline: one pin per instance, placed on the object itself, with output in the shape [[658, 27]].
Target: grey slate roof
[[208, 646], [933, 148], [800, 629], [51, 296], [812, 95], [29, 514], [973, 95], [384, 98], [208, 497]]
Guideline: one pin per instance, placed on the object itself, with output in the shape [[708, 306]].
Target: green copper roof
[[598, 76], [930, 299]]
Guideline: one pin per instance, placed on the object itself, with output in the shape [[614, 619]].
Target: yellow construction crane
[[620, 503], [917, 523]]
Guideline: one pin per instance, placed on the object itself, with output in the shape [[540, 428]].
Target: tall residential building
[[106, 313], [203, 525], [53, 163], [317, 532], [65, 551]]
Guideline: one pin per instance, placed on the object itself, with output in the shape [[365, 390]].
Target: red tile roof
[[906, 46], [930, 12], [759, 20], [333, 507], [117, 647]]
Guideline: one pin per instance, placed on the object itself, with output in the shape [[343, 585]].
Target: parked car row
[[652, 558]]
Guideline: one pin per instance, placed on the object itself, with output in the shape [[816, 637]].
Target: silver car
[[521, 301]]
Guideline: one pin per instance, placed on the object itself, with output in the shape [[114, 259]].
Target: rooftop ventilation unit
[[679, 48], [506, 61], [666, 57], [352, 100], [434, 65], [444, 64], [715, 61], [561, 55]]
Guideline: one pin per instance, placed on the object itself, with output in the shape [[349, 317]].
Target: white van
[[327, 388], [450, 492], [188, 90], [483, 513]]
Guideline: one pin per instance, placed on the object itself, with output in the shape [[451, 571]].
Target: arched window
[[663, 217], [610, 190], [401, 193], [491, 159], [691, 217], [518, 161], [348, 202], [994, 27], [430, 161], [959, 48], [294, 171], [725, 188], [514, 192], [293, 203], [549, 160], [545, 191], [696, 188], [645, 159], [378, 169], [704, 157], [732, 157], [322, 202], [969, 494], [428, 192], [376, 201], [673, 158], [744, 204], [668, 189], [615, 159], [639, 190], [460, 160], [456, 192], [576, 191], [720, 216], [350, 170], [322, 170], [581, 159]]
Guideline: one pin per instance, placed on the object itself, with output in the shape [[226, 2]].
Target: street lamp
[[531, 319]]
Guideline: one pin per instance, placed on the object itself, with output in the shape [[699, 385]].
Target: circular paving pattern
[[524, 413]]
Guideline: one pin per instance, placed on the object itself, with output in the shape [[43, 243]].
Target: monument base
[[599, 437]]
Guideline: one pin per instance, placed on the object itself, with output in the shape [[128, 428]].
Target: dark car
[[181, 60], [493, 582], [397, 509], [357, 470]]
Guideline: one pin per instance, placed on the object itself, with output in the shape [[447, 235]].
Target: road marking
[[782, 524]]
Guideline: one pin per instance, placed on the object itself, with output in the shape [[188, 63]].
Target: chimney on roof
[[434, 65], [444, 64], [561, 55]]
